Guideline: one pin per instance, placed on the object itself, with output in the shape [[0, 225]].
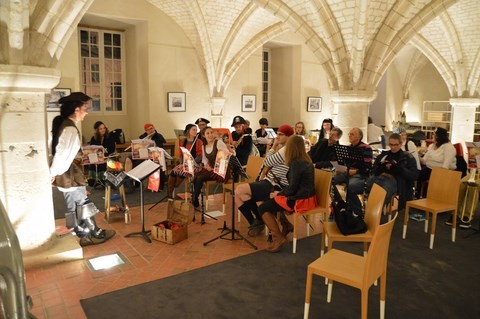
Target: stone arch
[[233, 66], [418, 62], [233, 34], [437, 60], [52, 25], [336, 72], [396, 37]]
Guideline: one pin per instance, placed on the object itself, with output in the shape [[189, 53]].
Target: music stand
[[237, 170], [139, 173], [347, 155]]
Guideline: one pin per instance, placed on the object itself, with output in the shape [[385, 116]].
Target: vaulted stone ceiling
[[354, 40]]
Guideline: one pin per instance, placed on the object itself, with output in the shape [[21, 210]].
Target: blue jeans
[[355, 187]]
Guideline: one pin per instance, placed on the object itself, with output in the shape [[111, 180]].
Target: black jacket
[[322, 154], [157, 138], [301, 183], [404, 169]]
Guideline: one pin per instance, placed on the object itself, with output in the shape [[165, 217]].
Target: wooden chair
[[323, 180], [442, 196], [354, 270], [373, 213], [254, 164]]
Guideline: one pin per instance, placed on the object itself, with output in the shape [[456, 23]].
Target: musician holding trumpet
[[242, 142]]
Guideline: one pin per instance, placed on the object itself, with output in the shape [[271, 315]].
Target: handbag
[[347, 221]]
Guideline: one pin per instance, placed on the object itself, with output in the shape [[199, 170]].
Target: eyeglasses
[[391, 144]]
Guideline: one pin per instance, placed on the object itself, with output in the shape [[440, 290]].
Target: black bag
[[347, 222]]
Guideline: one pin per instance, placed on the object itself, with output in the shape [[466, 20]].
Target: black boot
[[247, 213]]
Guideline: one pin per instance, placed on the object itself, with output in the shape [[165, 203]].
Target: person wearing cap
[[242, 141], [247, 195], [327, 125], [152, 134], [201, 123], [192, 143], [358, 172], [101, 137], [67, 174]]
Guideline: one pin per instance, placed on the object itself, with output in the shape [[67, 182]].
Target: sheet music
[[143, 170], [270, 133], [93, 154], [338, 168], [188, 161], [158, 154]]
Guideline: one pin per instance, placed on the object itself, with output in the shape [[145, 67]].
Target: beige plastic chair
[[354, 270], [323, 181], [442, 196], [373, 213], [254, 164]]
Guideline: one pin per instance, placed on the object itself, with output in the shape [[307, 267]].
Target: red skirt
[[301, 205]]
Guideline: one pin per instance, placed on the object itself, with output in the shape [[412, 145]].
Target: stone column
[[25, 187], [216, 113], [351, 110], [463, 120]]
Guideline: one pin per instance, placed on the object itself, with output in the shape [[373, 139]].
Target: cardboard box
[[175, 228]]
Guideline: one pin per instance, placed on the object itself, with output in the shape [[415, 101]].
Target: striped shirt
[[277, 175]]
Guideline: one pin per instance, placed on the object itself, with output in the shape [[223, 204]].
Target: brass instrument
[[472, 186]]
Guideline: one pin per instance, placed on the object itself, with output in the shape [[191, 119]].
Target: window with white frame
[[102, 68]]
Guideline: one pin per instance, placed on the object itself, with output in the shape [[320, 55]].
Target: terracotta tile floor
[[56, 290]]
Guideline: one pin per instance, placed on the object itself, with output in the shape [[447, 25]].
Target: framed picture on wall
[[51, 99], [314, 104], [177, 101], [248, 103]]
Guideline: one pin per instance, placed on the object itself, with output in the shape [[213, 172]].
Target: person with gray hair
[[358, 171]]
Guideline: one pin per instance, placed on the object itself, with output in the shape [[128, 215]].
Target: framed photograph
[[51, 99], [177, 101], [314, 104], [248, 103]]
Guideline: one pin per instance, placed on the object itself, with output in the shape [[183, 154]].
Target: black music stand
[[347, 155], [139, 173], [237, 171]]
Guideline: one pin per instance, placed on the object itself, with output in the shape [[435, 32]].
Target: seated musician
[[323, 153], [396, 171], [152, 134], [247, 195], [242, 141], [192, 143], [209, 154], [357, 173], [101, 137]]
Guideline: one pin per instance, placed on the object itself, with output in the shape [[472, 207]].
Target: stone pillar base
[[61, 249]]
